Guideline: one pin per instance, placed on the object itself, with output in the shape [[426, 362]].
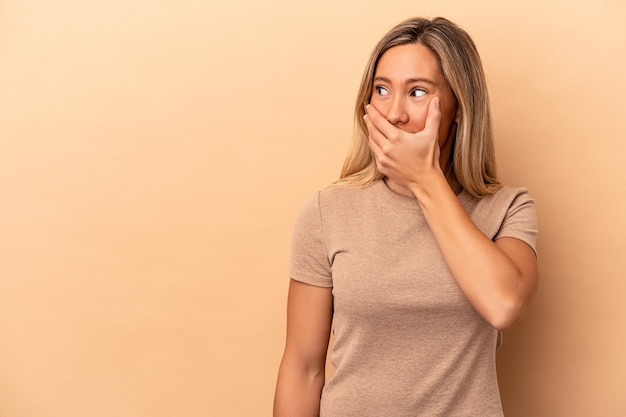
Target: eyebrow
[[409, 81]]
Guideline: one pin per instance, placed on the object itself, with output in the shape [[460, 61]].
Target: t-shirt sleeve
[[520, 220], [309, 260]]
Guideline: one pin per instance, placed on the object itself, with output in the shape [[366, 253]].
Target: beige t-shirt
[[407, 341]]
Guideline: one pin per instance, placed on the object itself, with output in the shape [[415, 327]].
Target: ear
[[457, 116]]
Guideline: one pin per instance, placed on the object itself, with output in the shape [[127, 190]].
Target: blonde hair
[[472, 157]]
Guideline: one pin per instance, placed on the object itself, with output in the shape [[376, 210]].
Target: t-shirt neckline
[[405, 201]]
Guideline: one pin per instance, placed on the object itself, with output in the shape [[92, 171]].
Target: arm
[[498, 278], [301, 375]]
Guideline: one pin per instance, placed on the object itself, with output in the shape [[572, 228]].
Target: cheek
[[444, 131], [417, 120], [447, 120]]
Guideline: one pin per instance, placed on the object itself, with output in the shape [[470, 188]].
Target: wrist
[[429, 187]]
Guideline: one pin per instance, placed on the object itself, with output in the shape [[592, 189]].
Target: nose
[[397, 113]]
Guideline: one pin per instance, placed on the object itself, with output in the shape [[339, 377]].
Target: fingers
[[401, 153], [380, 155], [381, 123], [374, 117], [378, 143], [378, 140]]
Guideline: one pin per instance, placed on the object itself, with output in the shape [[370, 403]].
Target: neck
[[405, 191], [397, 188]]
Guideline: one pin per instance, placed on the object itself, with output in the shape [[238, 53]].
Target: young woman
[[418, 254]]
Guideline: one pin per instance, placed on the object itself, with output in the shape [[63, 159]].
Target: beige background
[[153, 156]]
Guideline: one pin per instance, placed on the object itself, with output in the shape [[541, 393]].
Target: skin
[[301, 375], [410, 145], [411, 124], [407, 79]]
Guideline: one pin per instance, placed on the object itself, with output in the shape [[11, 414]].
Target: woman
[[418, 253]]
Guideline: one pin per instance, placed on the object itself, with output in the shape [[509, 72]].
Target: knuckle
[[386, 148]]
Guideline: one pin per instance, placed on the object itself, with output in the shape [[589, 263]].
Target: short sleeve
[[520, 221], [309, 260]]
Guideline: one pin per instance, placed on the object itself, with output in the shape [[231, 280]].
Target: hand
[[406, 158]]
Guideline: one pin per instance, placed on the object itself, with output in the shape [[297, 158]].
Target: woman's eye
[[381, 91], [418, 92]]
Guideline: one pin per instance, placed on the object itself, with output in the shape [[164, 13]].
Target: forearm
[[488, 277], [298, 392], [301, 376]]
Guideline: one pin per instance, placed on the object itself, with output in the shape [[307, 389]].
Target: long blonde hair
[[473, 156]]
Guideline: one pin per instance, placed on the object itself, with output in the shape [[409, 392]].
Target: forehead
[[409, 61]]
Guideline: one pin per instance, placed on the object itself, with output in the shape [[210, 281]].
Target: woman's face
[[407, 78]]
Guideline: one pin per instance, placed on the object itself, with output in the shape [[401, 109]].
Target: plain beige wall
[[153, 156]]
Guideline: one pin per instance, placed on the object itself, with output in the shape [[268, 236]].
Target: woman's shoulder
[[510, 211], [333, 204], [336, 200], [336, 194], [341, 194], [504, 202], [505, 197]]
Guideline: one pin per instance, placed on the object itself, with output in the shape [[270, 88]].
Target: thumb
[[433, 117]]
